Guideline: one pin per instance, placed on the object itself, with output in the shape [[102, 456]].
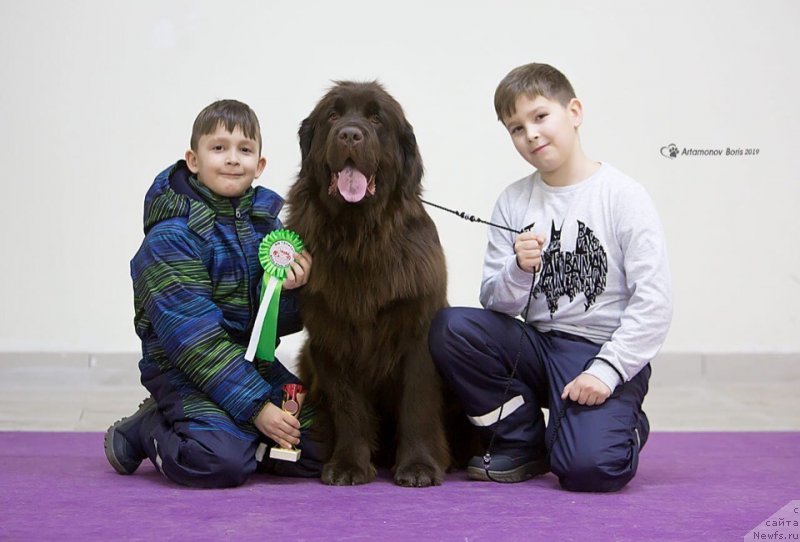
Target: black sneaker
[[124, 457], [507, 468]]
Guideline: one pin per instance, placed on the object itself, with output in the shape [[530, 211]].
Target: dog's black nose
[[350, 135]]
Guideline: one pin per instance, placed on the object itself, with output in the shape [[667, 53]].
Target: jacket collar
[[176, 192]]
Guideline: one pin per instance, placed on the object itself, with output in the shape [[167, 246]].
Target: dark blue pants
[[194, 443], [590, 448]]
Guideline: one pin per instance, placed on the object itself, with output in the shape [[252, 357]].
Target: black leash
[[473, 218], [487, 458]]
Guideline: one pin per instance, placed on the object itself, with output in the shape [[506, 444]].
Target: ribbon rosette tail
[[276, 254]]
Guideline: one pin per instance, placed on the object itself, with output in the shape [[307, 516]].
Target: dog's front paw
[[418, 475], [341, 474]]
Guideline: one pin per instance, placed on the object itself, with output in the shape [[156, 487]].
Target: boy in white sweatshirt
[[591, 279]]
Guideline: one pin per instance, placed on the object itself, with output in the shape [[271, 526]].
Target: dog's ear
[[305, 134], [412, 161]]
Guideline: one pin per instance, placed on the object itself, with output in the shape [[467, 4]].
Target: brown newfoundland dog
[[378, 278]]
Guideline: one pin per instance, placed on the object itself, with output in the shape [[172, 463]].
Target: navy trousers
[[194, 443], [589, 448]]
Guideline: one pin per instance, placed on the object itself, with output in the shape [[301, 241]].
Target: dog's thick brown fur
[[377, 279]]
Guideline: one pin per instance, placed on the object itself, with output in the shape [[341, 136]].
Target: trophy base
[[285, 454]]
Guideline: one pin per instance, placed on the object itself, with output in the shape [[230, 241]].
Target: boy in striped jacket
[[196, 283]]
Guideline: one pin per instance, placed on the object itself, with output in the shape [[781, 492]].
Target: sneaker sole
[[108, 439], [520, 474], [108, 444]]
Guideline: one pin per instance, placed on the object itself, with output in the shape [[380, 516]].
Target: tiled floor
[[81, 392]]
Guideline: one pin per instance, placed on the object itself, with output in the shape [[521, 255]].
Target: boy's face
[[226, 162], [544, 132]]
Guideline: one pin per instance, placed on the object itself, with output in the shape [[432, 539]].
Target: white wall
[[97, 97]]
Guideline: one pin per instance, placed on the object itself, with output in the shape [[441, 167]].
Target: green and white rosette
[[276, 254]]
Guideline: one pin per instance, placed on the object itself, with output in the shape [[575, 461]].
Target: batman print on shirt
[[571, 273]]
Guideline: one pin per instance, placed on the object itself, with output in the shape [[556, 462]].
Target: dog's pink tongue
[[352, 184]]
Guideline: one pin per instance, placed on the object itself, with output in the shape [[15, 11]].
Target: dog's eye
[[375, 119], [333, 116]]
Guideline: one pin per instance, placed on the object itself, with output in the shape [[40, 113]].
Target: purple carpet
[[690, 486]]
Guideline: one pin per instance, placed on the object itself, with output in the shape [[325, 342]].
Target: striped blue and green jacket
[[196, 281]]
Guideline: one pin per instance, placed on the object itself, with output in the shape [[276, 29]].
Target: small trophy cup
[[293, 395]]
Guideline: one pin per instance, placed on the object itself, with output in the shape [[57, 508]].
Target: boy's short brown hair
[[229, 113], [531, 80]]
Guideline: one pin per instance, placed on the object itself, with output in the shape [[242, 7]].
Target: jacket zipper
[[251, 302]]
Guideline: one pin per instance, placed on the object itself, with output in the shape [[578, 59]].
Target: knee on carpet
[[198, 465], [594, 472]]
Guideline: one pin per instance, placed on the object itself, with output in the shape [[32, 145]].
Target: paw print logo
[[670, 151]]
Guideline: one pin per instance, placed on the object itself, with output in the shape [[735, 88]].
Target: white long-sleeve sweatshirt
[[604, 274]]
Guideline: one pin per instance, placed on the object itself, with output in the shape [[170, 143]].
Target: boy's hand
[[278, 425], [586, 390], [297, 274], [528, 248]]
